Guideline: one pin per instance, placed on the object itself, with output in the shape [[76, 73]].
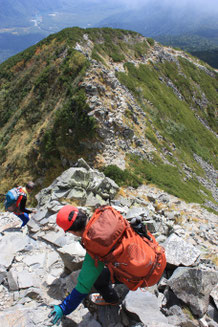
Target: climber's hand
[[56, 315]]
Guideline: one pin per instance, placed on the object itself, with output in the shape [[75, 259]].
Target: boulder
[[19, 316], [145, 306], [57, 238], [180, 252], [21, 279], [10, 245], [72, 255], [193, 286]]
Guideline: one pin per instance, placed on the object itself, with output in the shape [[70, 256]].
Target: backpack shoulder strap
[[20, 190]]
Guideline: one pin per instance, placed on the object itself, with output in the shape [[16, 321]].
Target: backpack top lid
[[104, 229]]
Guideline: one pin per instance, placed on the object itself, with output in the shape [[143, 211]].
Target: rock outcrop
[[40, 264]]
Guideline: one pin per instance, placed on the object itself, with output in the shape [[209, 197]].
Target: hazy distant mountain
[[25, 22], [20, 12], [192, 27], [160, 18]]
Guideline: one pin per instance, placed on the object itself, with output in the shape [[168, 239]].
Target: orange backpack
[[132, 259]]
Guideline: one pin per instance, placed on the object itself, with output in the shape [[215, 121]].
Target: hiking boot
[[97, 299]]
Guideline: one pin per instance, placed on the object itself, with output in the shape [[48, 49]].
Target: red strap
[[19, 200], [111, 272]]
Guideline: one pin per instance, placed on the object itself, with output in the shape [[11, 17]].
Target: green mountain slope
[[203, 45], [104, 94]]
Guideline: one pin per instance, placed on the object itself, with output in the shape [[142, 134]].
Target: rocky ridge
[[62, 73], [110, 100], [39, 266]]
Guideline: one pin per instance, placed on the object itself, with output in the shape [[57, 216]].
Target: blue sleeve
[[72, 301]]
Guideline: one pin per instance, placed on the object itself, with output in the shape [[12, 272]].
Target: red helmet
[[63, 220]]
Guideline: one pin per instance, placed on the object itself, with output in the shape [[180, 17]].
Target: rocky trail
[[39, 265]]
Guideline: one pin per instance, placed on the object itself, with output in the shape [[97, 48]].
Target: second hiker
[[16, 200]]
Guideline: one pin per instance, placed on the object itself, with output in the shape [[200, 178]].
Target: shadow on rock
[[12, 229], [66, 322], [57, 290]]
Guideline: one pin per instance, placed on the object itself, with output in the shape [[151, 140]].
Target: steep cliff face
[[117, 99]]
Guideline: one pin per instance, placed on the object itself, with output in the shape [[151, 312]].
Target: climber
[[16, 200], [108, 222]]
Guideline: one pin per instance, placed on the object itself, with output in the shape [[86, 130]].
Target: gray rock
[[26, 279], [12, 280], [136, 212], [61, 193], [52, 218], [77, 193], [94, 200], [152, 226], [33, 226], [81, 317], [106, 188], [152, 198], [161, 239], [74, 177], [56, 238], [54, 206], [10, 245], [145, 306], [38, 258], [40, 214], [170, 215], [72, 255], [180, 252], [214, 295], [108, 315], [193, 286], [2, 273], [19, 316], [52, 258], [76, 183], [82, 163], [7, 253], [71, 280], [164, 198], [212, 324], [178, 318]]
